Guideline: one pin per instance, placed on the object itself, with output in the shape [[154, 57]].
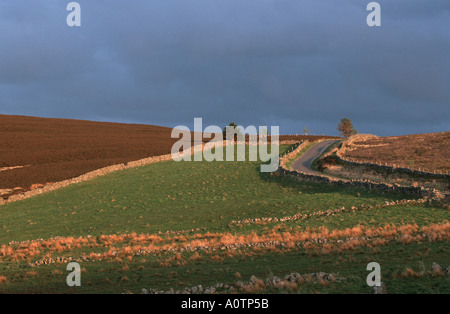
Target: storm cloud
[[292, 63]]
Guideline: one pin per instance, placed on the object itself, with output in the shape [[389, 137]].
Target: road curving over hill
[[303, 164]]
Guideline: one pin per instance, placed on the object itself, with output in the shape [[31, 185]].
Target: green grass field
[[203, 198]]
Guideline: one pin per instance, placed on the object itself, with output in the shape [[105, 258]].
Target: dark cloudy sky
[[292, 63]]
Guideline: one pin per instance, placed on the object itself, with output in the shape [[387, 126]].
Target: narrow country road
[[303, 164]]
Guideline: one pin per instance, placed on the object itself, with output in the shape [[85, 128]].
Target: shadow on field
[[310, 187]]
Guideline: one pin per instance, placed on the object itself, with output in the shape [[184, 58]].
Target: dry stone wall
[[366, 184]]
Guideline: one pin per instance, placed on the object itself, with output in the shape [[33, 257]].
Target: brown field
[[42, 150], [429, 152], [52, 150]]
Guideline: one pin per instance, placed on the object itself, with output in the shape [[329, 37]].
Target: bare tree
[[306, 131]]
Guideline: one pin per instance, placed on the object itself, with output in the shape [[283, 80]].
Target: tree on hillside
[[237, 130], [346, 128]]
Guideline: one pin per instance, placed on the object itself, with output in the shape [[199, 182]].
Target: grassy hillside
[[36, 151], [213, 206], [172, 196]]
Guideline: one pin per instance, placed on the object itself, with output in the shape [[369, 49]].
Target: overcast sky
[[292, 63]]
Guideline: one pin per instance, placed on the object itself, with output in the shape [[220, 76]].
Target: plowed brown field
[[56, 149], [429, 152]]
